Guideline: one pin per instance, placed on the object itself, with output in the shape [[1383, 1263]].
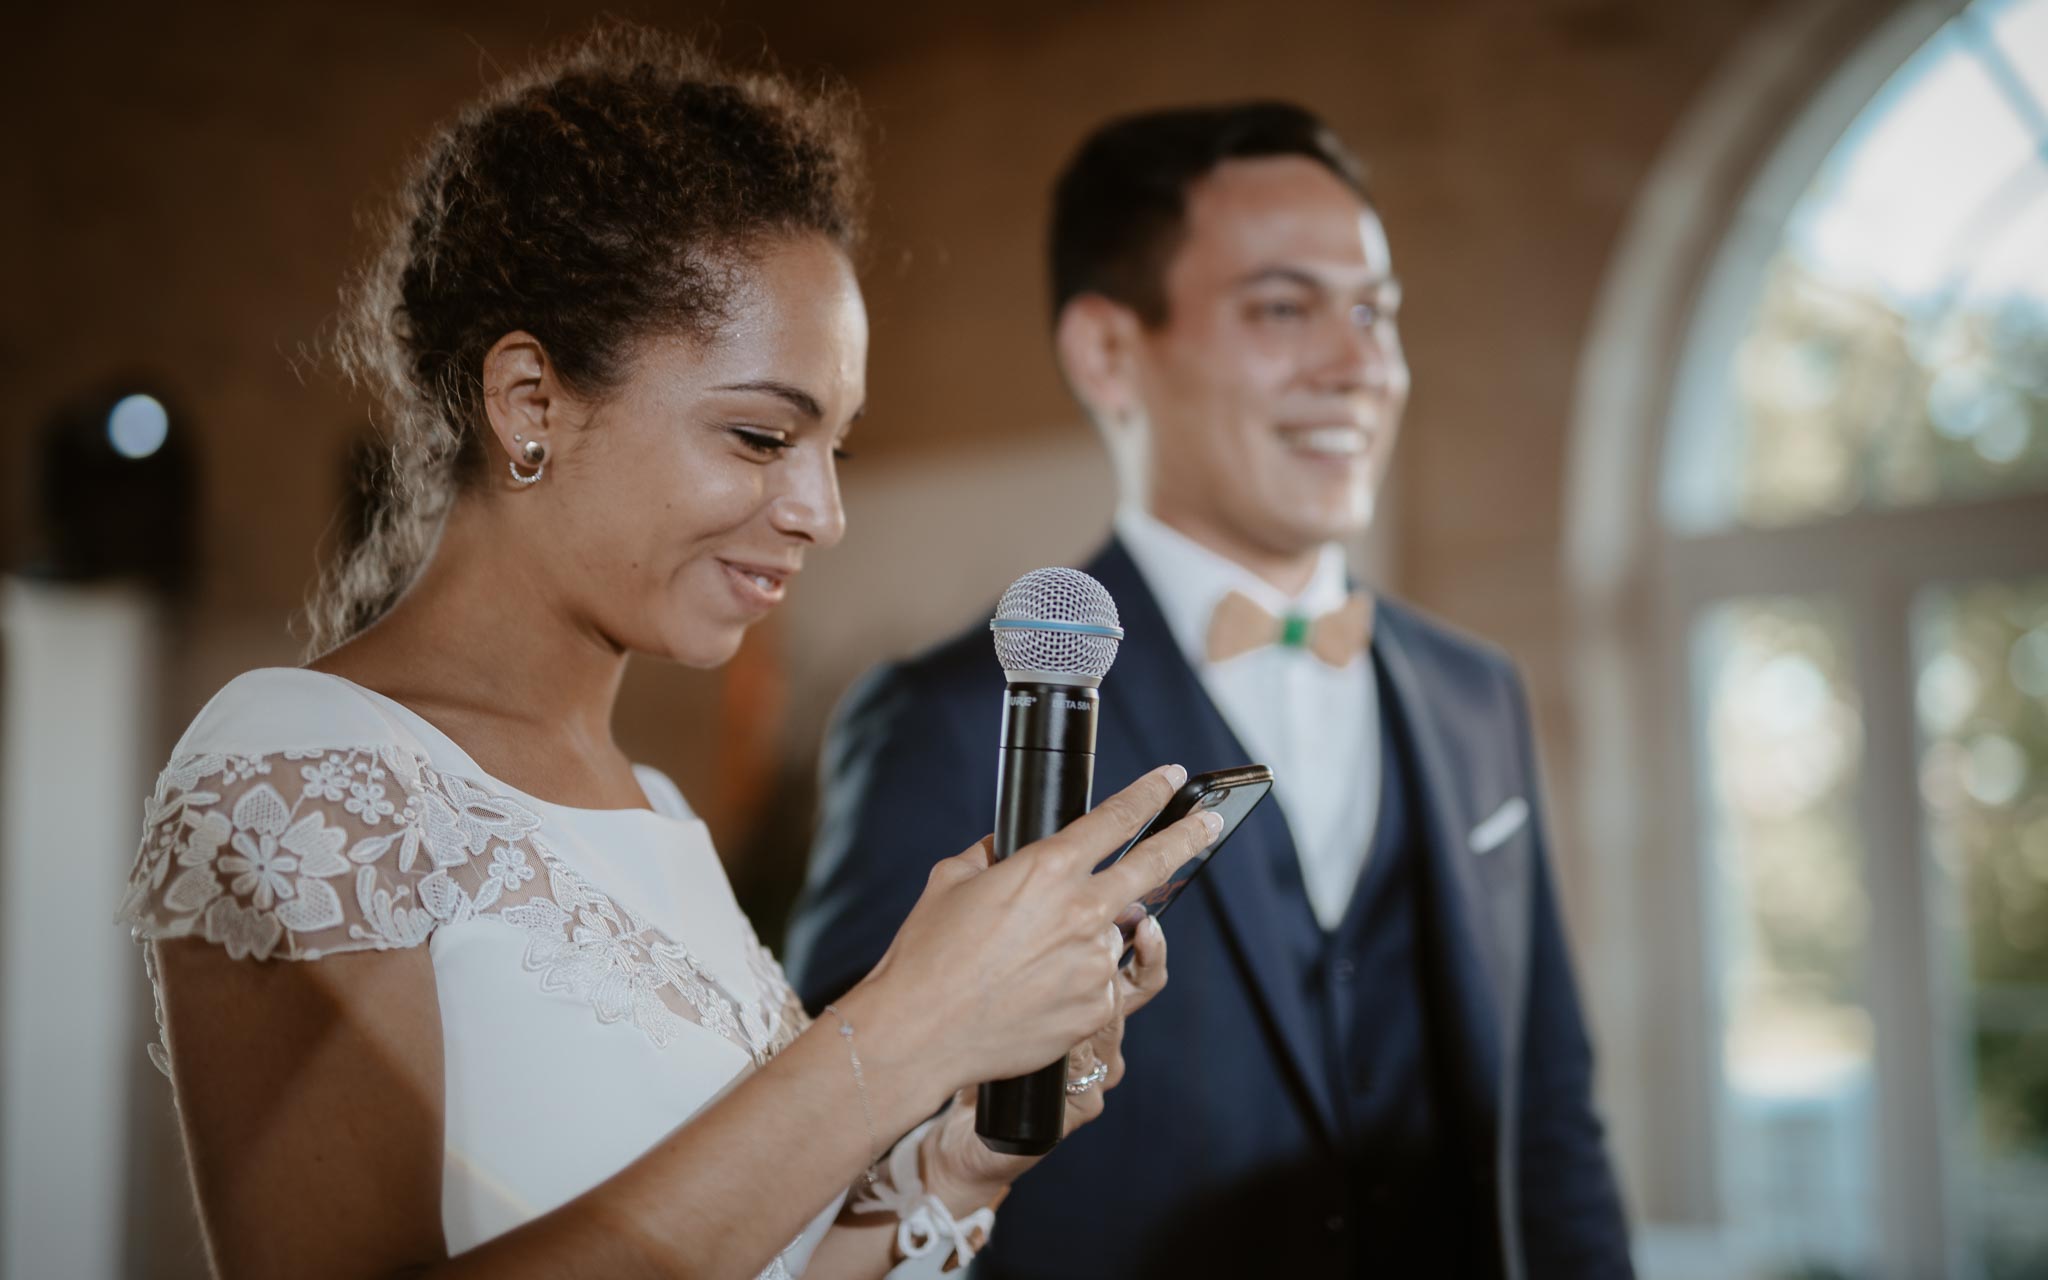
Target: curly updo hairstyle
[[601, 197]]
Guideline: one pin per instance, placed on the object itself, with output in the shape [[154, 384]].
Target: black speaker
[[116, 490]]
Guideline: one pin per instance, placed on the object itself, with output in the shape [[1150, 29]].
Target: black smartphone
[[1233, 793]]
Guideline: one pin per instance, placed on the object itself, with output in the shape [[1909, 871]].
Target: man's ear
[[1096, 339], [522, 399]]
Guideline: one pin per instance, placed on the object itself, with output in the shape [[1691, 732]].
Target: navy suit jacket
[[1219, 1154]]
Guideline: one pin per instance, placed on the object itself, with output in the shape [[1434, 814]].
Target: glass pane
[[1982, 655], [2020, 34], [1899, 350], [1778, 707]]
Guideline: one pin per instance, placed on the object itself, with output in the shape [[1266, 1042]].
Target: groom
[[1371, 1059]]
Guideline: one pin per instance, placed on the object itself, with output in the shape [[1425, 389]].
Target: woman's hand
[[961, 1169], [1001, 968]]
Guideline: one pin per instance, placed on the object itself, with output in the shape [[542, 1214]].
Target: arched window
[[1837, 621]]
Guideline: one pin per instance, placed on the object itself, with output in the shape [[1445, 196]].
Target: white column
[[77, 720]]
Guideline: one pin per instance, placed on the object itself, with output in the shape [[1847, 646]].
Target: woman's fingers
[[1149, 865], [1147, 969], [1102, 830], [967, 864], [1145, 976]]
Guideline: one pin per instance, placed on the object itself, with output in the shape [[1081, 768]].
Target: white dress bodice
[[598, 983]]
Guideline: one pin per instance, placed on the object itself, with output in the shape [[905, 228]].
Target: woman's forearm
[[725, 1192]]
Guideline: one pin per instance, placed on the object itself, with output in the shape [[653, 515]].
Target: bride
[[447, 985]]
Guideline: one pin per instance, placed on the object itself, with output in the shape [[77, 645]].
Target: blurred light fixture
[[138, 425]]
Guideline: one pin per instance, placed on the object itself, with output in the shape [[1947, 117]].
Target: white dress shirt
[[1317, 726]]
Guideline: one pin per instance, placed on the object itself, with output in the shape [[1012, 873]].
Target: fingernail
[[1212, 820], [1176, 775]]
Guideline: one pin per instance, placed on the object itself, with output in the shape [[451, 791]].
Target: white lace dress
[[303, 815]]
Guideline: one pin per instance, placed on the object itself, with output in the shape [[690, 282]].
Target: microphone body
[[1056, 633], [1045, 778]]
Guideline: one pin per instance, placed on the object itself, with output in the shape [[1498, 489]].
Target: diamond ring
[[1089, 1081]]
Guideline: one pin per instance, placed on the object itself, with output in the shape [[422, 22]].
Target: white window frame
[[1680, 289]]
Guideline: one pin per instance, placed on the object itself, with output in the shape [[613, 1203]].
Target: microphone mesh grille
[[1056, 595]]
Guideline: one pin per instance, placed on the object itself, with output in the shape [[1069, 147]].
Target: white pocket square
[[1506, 820]]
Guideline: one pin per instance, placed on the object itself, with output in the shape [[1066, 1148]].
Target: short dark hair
[[1120, 208]]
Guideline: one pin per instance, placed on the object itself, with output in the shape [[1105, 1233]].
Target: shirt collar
[[1188, 580]]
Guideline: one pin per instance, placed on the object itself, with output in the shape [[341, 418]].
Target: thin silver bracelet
[[860, 1084]]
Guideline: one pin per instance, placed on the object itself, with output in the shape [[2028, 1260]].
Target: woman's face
[[682, 512]]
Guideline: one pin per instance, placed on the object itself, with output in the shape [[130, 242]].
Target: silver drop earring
[[535, 455]]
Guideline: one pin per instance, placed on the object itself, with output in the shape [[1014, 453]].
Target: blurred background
[[1729, 329]]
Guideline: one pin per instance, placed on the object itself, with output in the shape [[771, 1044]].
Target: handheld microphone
[[1056, 632]]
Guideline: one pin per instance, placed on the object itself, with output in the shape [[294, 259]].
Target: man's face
[[1274, 389]]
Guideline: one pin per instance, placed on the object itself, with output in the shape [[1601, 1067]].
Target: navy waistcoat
[[1368, 981]]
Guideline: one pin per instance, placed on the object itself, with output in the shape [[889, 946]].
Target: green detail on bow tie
[[1294, 631]]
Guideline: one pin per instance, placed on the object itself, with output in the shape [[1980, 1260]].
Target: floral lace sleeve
[[297, 855], [309, 853]]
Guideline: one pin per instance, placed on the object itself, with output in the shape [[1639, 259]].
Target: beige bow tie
[[1241, 625]]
